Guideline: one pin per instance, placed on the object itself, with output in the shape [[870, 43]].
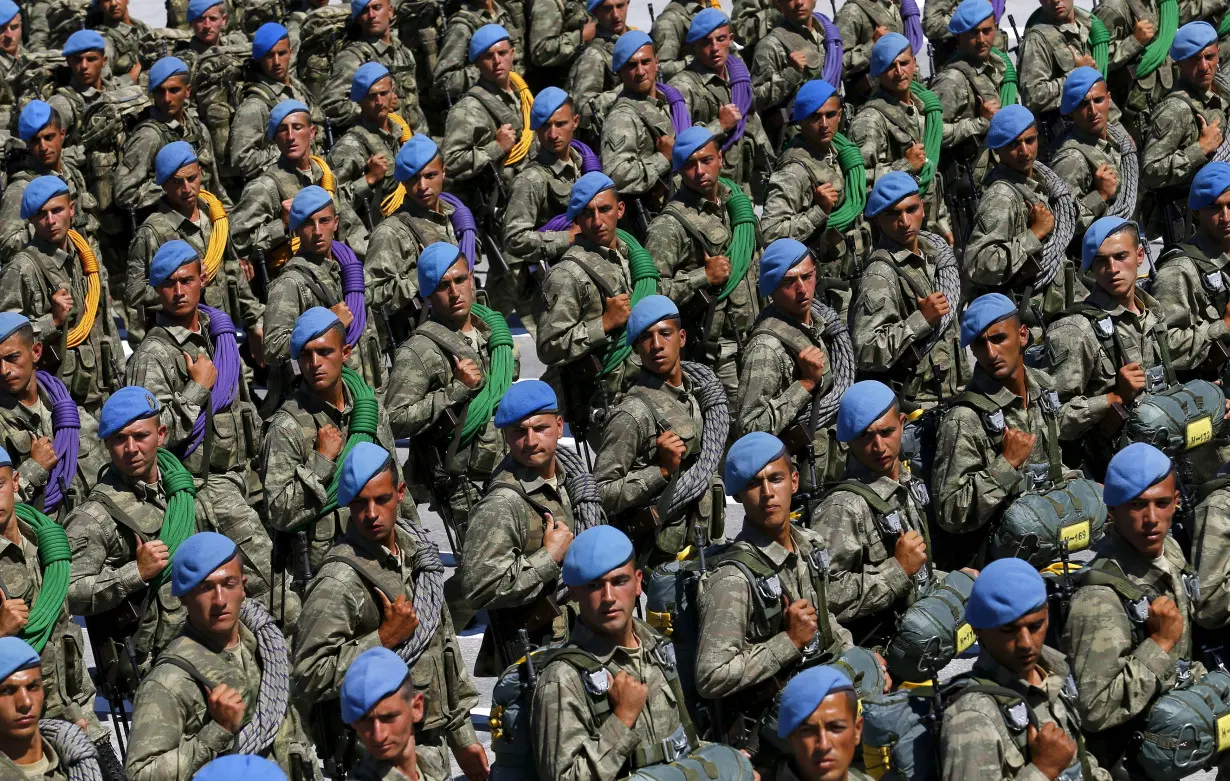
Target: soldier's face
[[294, 136], [276, 63], [321, 360], [1116, 264], [532, 441], [599, 220], [999, 349], [821, 126], [640, 71], [134, 448], [87, 67], [902, 221], [660, 345], [606, 603], [766, 497], [184, 187], [1092, 114], [18, 360], [798, 288], [10, 36], [52, 222], [1021, 152], [8, 493], [879, 447], [425, 188], [613, 16], [455, 295], [374, 510], [556, 133], [213, 605], [209, 26], [1200, 69], [1145, 521], [977, 42], [181, 293], [825, 743], [700, 172], [1214, 219], [376, 19], [900, 73], [712, 50], [495, 64], [1058, 9], [378, 101], [47, 145], [387, 730], [796, 10], [114, 10], [317, 230], [172, 95], [1017, 646], [21, 704]]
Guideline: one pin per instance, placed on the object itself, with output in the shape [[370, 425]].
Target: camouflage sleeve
[[1041, 86], [335, 96], [586, 77], [870, 133], [790, 209], [961, 123], [348, 159], [1212, 531], [526, 196], [563, 333], [286, 303], [621, 484], [974, 745], [327, 640], [1190, 10], [1001, 240], [635, 167], [469, 141], [422, 387], [1115, 681], [139, 297], [250, 152], [1190, 331], [1123, 44], [726, 662], [698, 100], [668, 34], [857, 587], [1074, 169], [671, 247], [769, 399], [565, 747], [882, 329], [496, 570], [935, 17], [550, 46], [251, 310], [256, 222], [1172, 152], [460, 694], [92, 456], [101, 575], [14, 231], [390, 266], [967, 489], [21, 291], [774, 78], [1074, 356], [163, 722], [454, 74], [856, 34], [134, 176], [157, 368], [296, 477]]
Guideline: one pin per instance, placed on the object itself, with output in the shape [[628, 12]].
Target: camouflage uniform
[[751, 20], [125, 41], [1171, 155], [392, 258], [959, 85], [706, 92], [1191, 286], [629, 131], [17, 232], [1211, 532], [250, 151], [335, 97], [555, 36], [1135, 97], [1048, 54], [348, 159], [57, 769], [774, 78], [857, 21], [454, 74], [469, 142], [669, 32], [135, 189], [591, 83], [256, 223], [1076, 158], [8, 101], [370, 769], [100, 162]]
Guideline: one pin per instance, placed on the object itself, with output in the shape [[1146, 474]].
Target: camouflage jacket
[[454, 74], [857, 20], [629, 131], [1172, 154], [335, 97], [392, 258], [774, 78], [250, 151], [469, 146], [539, 193], [706, 92], [669, 32], [1076, 158], [1048, 53], [1192, 287], [134, 177]]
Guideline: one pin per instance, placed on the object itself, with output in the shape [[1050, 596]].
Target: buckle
[[770, 588], [676, 745], [597, 683], [892, 522]]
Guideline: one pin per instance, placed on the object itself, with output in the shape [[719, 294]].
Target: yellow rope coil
[[522, 147], [282, 253], [393, 201], [406, 132], [93, 290], [218, 236]]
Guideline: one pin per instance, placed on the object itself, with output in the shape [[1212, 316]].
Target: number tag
[[965, 638], [1078, 536], [1199, 432], [1223, 733]]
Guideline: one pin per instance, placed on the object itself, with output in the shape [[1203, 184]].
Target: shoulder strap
[[675, 210], [880, 256], [188, 667], [1096, 316], [408, 221], [587, 666], [1017, 718], [592, 273], [877, 504], [363, 574], [978, 402], [309, 281], [119, 515], [1105, 572]]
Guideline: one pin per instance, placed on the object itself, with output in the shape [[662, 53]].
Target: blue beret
[[132, 402], [365, 461], [1132, 471], [889, 189], [1008, 123], [34, 117], [886, 50], [365, 78], [1191, 39], [249, 767], [169, 258], [16, 655], [11, 323], [373, 675], [171, 158], [811, 96], [434, 262], [985, 312], [357, 6], [307, 202], [5, 458], [628, 44], [748, 456], [584, 191], [1005, 590], [593, 553], [485, 37], [281, 112], [38, 192], [83, 41], [687, 142], [266, 37], [862, 404], [969, 14], [308, 326], [804, 694], [196, 557], [590, 5], [706, 22], [1208, 184], [546, 103], [413, 156], [779, 257], [649, 310], [165, 69], [525, 398], [1076, 87], [197, 8], [1101, 230], [8, 9]]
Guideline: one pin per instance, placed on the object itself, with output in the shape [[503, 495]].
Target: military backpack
[[320, 39]]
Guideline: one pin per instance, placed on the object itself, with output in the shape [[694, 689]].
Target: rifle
[[491, 203], [1016, 34]]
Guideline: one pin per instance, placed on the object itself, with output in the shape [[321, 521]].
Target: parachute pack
[[112, 113], [1186, 729], [36, 75], [320, 39], [1178, 419], [1038, 525], [932, 631]]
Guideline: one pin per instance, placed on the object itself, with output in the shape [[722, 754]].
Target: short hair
[[408, 690], [26, 334]]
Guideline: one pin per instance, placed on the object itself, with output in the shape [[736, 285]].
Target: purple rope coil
[[681, 118], [913, 25], [353, 290], [226, 360], [998, 7], [66, 438], [834, 49], [464, 226], [741, 94], [589, 160]]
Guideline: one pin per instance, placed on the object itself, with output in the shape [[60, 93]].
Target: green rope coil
[[1099, 42], [1007, 87], [645, 278], [179, 520], [742, 237], [854, 197], [499, 377], [55, 555], [933, 133], [1159, 48], [364, 423], [1223, 29]]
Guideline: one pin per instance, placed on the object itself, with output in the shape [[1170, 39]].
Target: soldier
[[1015, 217], [821, 718], [557, 31], [899, 304], [644, 716], [522, 527], [305, 436], [10, 49], [889, 126], [706, 85], [1132, 26], [381, 704], [211, 26], [219, 64], [669, 31], [169, 120], [652, 437], [376, 588], [690, 241], [862, 24], [637, 134], [1085, 156], [126, 35], [1000, 438], [1129, 632], [55, 275], [790, 55], [1211, 555], [183, 213], [980, 738], [875, 520], [592, 82], [85, 53], [454, 74]]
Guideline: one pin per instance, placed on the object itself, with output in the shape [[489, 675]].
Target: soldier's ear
[[619, 209]]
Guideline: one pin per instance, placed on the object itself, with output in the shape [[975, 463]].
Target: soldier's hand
[[256, 344], [61, 305], [225, 707], [201, 371], [43, 451], [286, 213], [399, 620], [1050, 749], [134, 73], [879, 32], [472, 760], [717, 269], [375, 169], [987, 108], [616, 312], [589, 31], [329, 442], [1041, 221], [798, 61], [1130, 382], [1086, 60], [343, 313], [1143, 31], [245, 265], [1017, 446], [152, 558], [467, 371], [911, 552], [665, 145], [670, 453], [811, 367], [628, 697], [1165, 624], [934, 307], [556, 539], [916, 156], [14, 613], [1106, 181], [800, 622], [825, 196], [574, 230], [1210, 134], [506, 137], [729, 116]]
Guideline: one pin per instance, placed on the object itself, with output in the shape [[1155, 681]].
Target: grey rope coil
[[77, 754], [695, 481], [274, 695], [1124, 205], [1054, 251], [582, 490], [841, 352], [1222, 153], [428, 594], [948, 282]]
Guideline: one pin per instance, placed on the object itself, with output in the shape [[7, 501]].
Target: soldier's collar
[[18, 549], [1102, 300], [690, 197], [9, 403], [531, 482], [142, 490], [421, 212], [494, 88], [994, 390], [1211, 250], [1050, 664], [1134, 563], [178, 221], [903, 254], [602, 648], [770, 547], [313, 403], [60, 256], [650, 380], [812, 33], [1012, 175], [182, 335], [378, 551], [309, 175]]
